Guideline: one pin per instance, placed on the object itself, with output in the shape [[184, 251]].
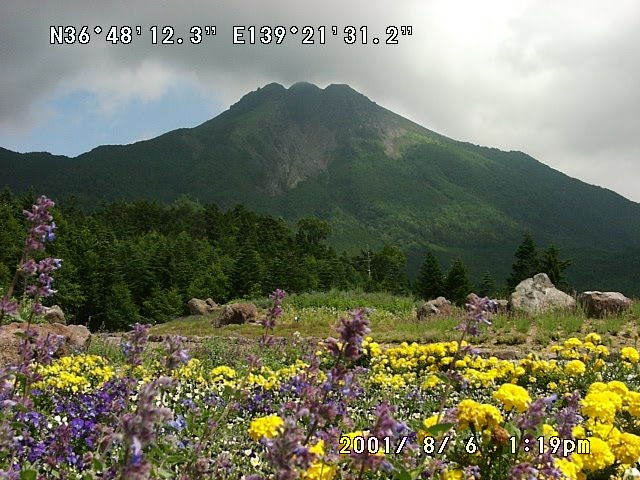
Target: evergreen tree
[[430, 283], [163, 305], [487, 286], [119, 311], [457, 285], [386, 268], [526, 264], [554, 267]]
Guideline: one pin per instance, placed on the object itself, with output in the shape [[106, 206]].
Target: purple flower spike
[[477, 313]]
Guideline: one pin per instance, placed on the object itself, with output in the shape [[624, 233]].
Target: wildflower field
[[345, 407], [349, 409]]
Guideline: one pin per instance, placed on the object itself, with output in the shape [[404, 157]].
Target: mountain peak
[[332, 152], [304, 86]]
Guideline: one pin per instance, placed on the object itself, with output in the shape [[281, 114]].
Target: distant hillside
[[375, 175]]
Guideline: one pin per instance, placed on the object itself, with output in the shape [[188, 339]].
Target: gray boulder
[[538, 295], [237, 313], [54, 314], [202, 307], [439, 306], [602, 304], [73, 338]]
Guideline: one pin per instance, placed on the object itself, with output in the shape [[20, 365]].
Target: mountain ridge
[[376, 176]]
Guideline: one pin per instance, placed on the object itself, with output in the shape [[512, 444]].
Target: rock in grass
[[439, 306], [54, 314], [538, 295], [602, 304], [202, 307], [75, 338], [237, 313]]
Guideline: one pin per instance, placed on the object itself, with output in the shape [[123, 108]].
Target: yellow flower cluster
[[479, 415], [630, 354], [272, 379], [400, 367], [265, 427], [75, 373], [601, 403], [319, 470], [513, 396]]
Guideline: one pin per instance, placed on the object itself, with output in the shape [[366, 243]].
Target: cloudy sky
[[555, 79]]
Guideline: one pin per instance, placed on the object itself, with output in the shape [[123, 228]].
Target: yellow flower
[[630, 354], [430, 382], [452, 475], [602, 406], [548, 431], [513, 396], [618, 387], [626, 448], [318, 448], [426, 423], [593, 338], [578, 431], [568, 468], [267, 427], [599, 456], [575, 368], [478, 414], [319, 471], [572, 343], [632, 403]]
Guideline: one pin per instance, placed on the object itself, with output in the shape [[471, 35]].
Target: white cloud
[[557, 80]]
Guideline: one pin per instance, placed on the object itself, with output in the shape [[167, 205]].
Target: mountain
[[378, 177]]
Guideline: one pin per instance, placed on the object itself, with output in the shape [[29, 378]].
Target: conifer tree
[[430, 283], [457, 285], [487, 286], [527, 263], [554, 267]]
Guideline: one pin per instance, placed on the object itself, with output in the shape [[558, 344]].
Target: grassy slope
[[394, 321]]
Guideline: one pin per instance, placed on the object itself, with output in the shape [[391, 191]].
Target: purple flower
[[133, 349], [533, 417], [175, 354], [568, 417], [286, 452], [477, 313], [10, 307], [524, 471], [43, 226], [139, 427], [275, 312], [352, 332]]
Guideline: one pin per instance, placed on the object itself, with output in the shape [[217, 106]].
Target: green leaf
[[28, 475], [165, 473], [404, 475], [97, 465], [440, 428], [175, 459], [443, 377]]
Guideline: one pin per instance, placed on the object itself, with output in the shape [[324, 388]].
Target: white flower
[[632, 473]]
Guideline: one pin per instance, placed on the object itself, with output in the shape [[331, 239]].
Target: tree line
[[142, 261]]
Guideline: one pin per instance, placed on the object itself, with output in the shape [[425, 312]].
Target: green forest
[[142, 261]]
